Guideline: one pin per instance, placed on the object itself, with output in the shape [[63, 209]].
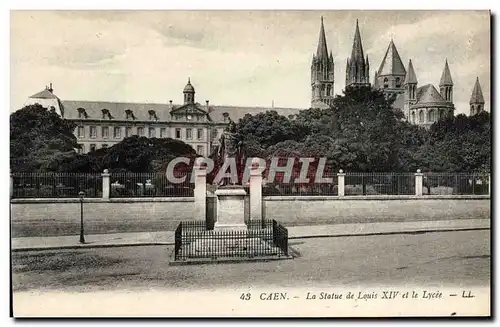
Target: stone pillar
[[200, 192], [489, 184], [11, 186], [341, 183], [230, 208], [255, 193], [419, 179], [106, 184]]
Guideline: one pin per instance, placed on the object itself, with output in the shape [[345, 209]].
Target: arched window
[[479, 108], [421, 116], [386, 83], [328, 90], [323, 89], [413, 117], [441, 114], [398, 82], [429, 115]]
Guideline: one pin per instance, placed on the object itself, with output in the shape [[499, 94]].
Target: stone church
[[422, 105]]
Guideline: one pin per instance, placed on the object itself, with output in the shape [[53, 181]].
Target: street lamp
[[81, 194]]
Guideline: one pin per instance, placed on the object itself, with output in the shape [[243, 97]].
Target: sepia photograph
[[250, 163]]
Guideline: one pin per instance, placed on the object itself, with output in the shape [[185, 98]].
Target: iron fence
[[455, 184], [303, 189], [262, 238], [56, 185], [149, 185], [379, 184]]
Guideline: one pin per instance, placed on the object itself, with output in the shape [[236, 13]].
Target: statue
[[230, 147]]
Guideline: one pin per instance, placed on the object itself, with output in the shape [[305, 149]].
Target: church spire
[[477, 93], [322, 51], [446, 76], [392, 63], [446, 84], [357, 46], [356, 72], [411, 77], [476, 99]]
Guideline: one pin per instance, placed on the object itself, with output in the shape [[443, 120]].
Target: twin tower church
[[422, 105]]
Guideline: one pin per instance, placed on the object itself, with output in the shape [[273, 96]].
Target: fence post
[[341, 183], [200, 191], [419, 183], [11, 185], [255, 192], [105, 184]]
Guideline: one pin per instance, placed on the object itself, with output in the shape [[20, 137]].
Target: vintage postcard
[[272, 163]]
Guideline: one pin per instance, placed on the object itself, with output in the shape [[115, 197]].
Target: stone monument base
[[230, 208]]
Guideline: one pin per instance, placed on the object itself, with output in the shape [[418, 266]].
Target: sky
[[244, 58]]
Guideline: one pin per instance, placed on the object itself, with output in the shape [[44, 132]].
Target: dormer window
[[129, 114], [386, 81], [152, 115], [82, 114], [106, 114]]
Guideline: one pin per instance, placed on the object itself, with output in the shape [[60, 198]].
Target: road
[[432, 259]]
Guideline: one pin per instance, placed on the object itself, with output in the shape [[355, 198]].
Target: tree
[[458, 144], [40, 140], [268, 128], [139, 155]]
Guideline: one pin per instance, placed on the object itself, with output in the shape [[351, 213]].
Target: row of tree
[[360, 132]]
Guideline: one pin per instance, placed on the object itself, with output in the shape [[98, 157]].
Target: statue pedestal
[[230, 208]]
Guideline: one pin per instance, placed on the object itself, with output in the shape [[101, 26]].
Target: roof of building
[[46, 99], [411, 77], [189, 87], [446, 76], [93, 110], [477, 93], [428, 94], [391, 64], [45, 94]]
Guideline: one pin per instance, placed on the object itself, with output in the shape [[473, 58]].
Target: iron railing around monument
[[261, 239]]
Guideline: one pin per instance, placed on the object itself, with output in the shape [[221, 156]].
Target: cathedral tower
[[322, 76], [391, 73], [476, 99], [358, 68]]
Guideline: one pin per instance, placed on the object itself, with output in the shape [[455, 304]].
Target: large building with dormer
[[102, 124]]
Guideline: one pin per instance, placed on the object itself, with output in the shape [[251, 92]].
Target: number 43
[[245, 296]]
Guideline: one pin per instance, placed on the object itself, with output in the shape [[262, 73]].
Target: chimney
[[51, 90], [170, 104]]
